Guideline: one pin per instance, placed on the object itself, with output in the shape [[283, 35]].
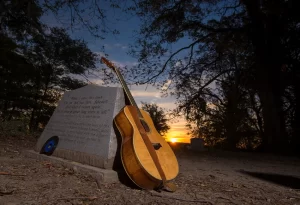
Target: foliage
[[158, 116], [227, 67], [37, 64]]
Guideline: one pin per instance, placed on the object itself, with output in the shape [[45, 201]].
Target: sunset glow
[[177, 137], [148, 93], [173, 140], [177, 133], [178, 140]]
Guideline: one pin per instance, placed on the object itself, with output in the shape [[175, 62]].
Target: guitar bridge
[[156, 145]]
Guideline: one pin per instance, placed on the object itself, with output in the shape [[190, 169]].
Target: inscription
[[79, 132], [82, 120], [84, 107]]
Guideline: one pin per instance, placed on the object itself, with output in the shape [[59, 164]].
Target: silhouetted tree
[[55, 57], [158, 116], [19, 22], [37, 63], [256, 33]]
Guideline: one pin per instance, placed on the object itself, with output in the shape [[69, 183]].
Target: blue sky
[[117, 46]]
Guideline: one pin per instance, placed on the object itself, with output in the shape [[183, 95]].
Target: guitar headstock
[[108, 63]]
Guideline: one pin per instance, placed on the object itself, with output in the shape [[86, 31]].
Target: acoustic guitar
[[147, 158]]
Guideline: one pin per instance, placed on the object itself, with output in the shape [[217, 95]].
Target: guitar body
[[136, 159]]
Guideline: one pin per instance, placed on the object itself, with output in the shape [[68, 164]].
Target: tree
[[20, 19], [19, 22], [37, 63], [221, 37], [158, 116], [55, 57]]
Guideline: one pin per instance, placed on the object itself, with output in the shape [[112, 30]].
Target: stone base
[[100, 175]]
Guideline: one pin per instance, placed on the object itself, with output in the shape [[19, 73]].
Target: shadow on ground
[[283, 180]]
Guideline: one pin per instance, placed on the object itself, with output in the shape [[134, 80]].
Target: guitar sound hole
[[146, 127], [156, 145]]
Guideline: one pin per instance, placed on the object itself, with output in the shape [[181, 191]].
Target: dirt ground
[[205, 178]]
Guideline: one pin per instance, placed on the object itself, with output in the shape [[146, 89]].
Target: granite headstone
[[83, 121]]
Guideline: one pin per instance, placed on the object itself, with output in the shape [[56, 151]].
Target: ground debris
[[91, 198], [168, 196], [2, 193], [203, 179], [11, 174]]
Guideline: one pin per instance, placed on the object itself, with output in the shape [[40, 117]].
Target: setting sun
[[177, 137], [173, 140]]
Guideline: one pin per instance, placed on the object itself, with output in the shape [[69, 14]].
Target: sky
[[117, 46]]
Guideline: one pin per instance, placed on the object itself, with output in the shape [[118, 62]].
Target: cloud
[[119, 64], [124, 63], [166, 85], [119, 45], [115, 46], [108, 46], [97, 81], [167, 105], [141, 93], [100, 53], [178, 64]]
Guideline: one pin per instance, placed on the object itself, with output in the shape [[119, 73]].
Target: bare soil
[[205, 178]]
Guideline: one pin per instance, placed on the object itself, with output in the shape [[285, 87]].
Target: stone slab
[[83, 121], [100, 175]]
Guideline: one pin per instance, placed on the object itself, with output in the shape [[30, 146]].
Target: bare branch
[[215, 96], [197, 94], [170, 58], [83, 21], [191, 56], [226, 8]]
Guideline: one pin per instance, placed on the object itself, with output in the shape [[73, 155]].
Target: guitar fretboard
[[128, 93]]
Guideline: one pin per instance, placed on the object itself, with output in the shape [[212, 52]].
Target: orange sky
[[152, 95], [178, 132]]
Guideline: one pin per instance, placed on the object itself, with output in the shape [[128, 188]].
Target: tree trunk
[[35, 103], [232, 120], [40, 106], [32, 119], [296, 120], [274, 138], [10, 116], [258, 114], [6, 103], [265, 33]]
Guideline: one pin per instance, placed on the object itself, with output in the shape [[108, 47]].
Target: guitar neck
[[124, 85], [127, 92]]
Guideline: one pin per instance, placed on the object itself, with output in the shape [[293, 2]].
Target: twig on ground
[[179, 199], [91, 198], [294, 189], [2, 193], [10, 174], [221, 197]]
